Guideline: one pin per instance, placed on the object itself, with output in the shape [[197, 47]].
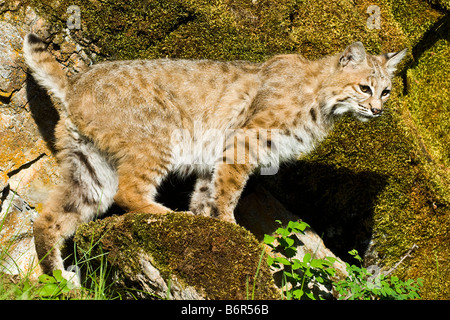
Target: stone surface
[[12, 75], [17, 253]]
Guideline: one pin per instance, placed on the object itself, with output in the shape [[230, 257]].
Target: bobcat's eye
[[365, 89], [385, 92]]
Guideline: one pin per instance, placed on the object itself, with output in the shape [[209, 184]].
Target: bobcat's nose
[[375, 111]]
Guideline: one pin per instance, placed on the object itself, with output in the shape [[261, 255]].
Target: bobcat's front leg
[[229, 181]]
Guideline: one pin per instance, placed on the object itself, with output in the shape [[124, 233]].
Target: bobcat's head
[[362, 82]]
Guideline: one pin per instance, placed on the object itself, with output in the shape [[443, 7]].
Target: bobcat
[[126, 124]]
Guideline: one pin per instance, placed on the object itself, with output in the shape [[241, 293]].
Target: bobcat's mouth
[[364, 114]]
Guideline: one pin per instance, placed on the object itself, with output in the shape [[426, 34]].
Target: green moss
[[224, 29], [218, 258], [429, 82], [415, 17], [428, 102]]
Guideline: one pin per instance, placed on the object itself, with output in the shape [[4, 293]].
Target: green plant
[[363, 285], [297, 274], [54, 287], [360, 284]]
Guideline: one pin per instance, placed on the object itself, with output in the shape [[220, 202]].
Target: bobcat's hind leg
[[55, 224], [138, 182], [88, 188]]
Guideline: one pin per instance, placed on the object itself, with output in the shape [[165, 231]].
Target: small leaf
[[414, 295], [48, 290], [310, 295], [283, 232], [284, 261], [45, 278], [317, 263], [67, 287], [331, 271], [57, 274], [298, 293], [331, 259], [293, 225], [268, 239], [283, 242], [306, 257], [289, 241], [292, 277], [296, 264], [355, 255], [297, 226]]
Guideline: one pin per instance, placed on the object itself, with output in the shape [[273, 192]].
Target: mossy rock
[[220, 260], [415, 18], [379, 187], [228, 30]]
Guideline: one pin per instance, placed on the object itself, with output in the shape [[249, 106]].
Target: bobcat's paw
[[73, 278]]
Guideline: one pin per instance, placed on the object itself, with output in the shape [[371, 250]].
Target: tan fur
[[127, 124]]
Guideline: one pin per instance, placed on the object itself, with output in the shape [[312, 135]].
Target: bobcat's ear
[[392, 59], [353, 55]]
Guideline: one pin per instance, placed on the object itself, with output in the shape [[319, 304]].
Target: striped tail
[[46, 71]]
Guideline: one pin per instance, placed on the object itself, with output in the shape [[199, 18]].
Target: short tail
[[45, 69]]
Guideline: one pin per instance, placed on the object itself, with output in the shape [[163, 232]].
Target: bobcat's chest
[[296, 142]]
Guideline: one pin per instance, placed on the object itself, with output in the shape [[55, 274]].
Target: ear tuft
[[394, 58], [353, 55]]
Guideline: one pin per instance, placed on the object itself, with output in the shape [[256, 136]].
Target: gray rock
[[17, 254]]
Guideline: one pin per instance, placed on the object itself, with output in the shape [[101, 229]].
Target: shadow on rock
[[43, 111], [337, 202]]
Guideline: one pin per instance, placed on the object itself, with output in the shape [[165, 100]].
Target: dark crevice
[[5, 100], [3, 196], [439, 30], [25, 166]]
